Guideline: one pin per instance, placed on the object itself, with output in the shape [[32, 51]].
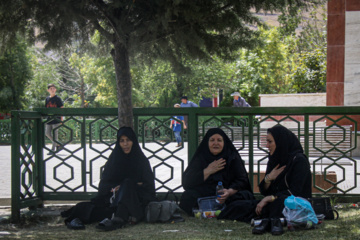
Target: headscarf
[[121, 165], [204, 149], [287, 146]]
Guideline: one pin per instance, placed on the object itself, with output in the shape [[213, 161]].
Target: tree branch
[[112, 21]]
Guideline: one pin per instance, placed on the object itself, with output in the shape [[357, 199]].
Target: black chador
[[132, 172], [234, 176]]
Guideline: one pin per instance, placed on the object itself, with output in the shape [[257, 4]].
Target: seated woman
[[127, 179], [216, 159], [287, 173]]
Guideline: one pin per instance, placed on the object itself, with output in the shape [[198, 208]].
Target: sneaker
[[59, 148]]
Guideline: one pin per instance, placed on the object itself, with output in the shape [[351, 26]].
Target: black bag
[[163, 211], [322, 205]]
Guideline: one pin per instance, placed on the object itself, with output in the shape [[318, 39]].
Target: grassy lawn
[[40, 226]]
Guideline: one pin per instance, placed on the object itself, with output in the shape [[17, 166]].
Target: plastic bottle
[[302, 225], [219, 190]]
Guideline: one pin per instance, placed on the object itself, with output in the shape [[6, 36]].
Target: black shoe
[[263, 227], [76, 224], [50, 153], [59, 148], [276, 226], [110, 225]]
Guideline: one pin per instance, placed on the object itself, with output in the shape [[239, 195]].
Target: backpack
[[162, 211]]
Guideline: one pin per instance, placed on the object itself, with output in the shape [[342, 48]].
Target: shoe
[[59, 148], [50, 153], [109, 225], [179, 145], [75, 224], [276, 227], [263, 227]]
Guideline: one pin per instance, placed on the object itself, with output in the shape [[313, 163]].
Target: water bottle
[[292, 226], [219, 191]]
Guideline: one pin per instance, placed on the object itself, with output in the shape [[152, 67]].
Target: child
[[53, 101], [176, 126]]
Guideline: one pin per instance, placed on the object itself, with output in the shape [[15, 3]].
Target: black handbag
[[322, 205]]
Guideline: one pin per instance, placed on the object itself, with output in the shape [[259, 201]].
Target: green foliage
[[264, 69], [289, 21], [283, 63], [186, 46], [44, 73], [158, 85], [144, 31], [15, 72], [309, 73]]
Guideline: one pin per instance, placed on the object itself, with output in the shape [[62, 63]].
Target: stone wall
[[293, 100]]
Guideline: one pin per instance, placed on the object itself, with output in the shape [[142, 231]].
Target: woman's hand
[[275, 172], [262, 204], [115, 189], [226, 194], [216, 166]]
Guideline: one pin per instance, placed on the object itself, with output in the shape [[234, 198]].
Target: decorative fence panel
[[5, 131], [87, 137]]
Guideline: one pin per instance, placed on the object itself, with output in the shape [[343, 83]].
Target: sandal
[[108, 225]]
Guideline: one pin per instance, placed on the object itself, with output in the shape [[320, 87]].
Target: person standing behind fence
[[176, 126], [53, 101], [186, 103], [239, 101]]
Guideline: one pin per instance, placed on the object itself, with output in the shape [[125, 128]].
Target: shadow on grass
[[48, 224]]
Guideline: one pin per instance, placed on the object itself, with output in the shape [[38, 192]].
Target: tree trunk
[[123, 82], [82, 91]]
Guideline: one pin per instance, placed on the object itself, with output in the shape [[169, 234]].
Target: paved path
[[5, 171]]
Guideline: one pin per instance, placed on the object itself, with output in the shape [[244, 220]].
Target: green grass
[[35, 226]]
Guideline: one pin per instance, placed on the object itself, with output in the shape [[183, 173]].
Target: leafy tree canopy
[[15, 71], [141, 29]]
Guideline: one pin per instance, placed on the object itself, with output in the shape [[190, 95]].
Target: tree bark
[[123, 82], [82, 91]]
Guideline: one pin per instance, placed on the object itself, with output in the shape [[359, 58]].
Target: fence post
[[192, 133], [306, 134], [251, 150], [15, 166]]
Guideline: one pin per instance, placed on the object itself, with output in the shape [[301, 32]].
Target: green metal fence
[[5, 131], [328, 134]]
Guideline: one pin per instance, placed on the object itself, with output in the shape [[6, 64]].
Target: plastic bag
[[209, 208], [299, 213]]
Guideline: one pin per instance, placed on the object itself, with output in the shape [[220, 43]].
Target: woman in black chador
[[127, 179], [216, 159], [287, 173]]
